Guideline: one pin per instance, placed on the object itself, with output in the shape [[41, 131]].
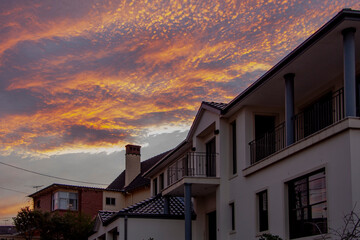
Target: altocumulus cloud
[[88, 135], [89, 74]]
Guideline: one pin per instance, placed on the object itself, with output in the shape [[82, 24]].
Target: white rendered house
[[283, 157]]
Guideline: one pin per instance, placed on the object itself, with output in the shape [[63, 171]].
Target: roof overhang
[[56, 186], [175, 153], [314, 62]]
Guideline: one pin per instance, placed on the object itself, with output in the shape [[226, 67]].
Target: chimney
[[132, 163]]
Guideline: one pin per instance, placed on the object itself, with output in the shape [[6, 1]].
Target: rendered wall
[[119, 201], [137, 196], [333, 154], [159, 229], [145, 228]]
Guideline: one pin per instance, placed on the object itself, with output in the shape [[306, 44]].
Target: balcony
[[196, 168], [324, 112]]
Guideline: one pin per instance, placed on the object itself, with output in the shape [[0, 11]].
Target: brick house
[[128, 188]]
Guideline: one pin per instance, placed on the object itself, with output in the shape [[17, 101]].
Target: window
[[232, 209], [263, 211], [161, 181], [110, 201], [155, 187], [358, 96], [211, 158], [38, 204], [264, 137], [65, 201], [233, 141], [307, 205]]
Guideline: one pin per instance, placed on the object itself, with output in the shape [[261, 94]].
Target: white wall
[[145, 228], [332, 154]]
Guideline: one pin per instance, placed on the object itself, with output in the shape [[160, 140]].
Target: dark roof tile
[[106, 215], [153, 208], [219, 106], [139, 181]]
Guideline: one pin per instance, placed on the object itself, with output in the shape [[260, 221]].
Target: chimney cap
[[132, 149]]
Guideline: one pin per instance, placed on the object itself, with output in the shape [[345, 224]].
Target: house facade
[[88, 200], [128, 188], [158, 217], [282, 157]]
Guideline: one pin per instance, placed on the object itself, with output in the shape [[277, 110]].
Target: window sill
[[64, 210], [232, 232], [233, 176]]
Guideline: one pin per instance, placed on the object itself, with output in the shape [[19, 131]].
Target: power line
[[14, 190], [46, 175]]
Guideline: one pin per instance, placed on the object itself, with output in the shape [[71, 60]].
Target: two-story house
[[282, 157], [128, 188]]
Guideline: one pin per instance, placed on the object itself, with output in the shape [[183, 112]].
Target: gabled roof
[[150, 208], [106, 215], [225, 110], [56, 186], [139, 181], [186, 144]]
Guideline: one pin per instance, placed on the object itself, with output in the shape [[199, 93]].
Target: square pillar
[[188, 208], [349, 71], [289, 108]]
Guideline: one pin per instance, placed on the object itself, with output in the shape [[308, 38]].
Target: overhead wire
[[50, 176], [14, 190]]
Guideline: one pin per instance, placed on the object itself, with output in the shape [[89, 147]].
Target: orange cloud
[[96, 75]]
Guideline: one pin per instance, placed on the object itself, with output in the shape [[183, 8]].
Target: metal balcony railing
[[192, 164], [321, 114], [270, 143]]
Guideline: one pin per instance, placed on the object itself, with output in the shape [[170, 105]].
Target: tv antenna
[[36, 187]]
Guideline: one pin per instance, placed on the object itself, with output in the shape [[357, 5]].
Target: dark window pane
[[263, 211], [307, 205]]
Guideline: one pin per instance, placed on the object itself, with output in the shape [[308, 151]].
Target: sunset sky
[[80, 79]]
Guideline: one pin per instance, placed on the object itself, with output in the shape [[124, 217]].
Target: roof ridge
[[217, 105], [157, 155]]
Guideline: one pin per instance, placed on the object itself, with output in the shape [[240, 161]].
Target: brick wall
[[45, 202], [90, 201]]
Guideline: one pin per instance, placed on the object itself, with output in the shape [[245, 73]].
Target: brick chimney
[[132, 163]]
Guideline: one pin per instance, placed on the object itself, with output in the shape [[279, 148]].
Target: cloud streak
[[88, 74]]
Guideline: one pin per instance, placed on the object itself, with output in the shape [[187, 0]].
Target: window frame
[[110, 201], [233, 148], [155, 186], [232, 214], [161, 182], [309, 226], [263, 210], [58, 200]]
